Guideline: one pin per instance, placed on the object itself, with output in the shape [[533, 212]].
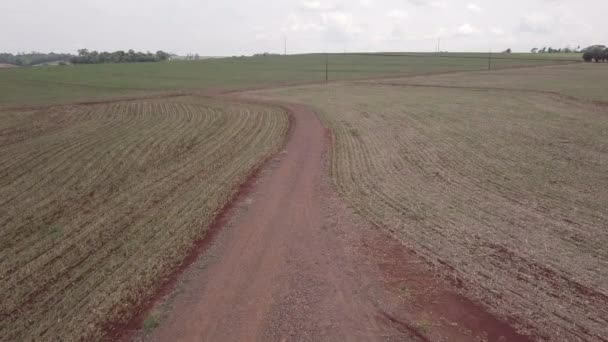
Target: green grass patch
[[151, 322], [60, 84]]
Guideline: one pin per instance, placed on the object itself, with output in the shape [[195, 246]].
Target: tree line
[[84, 57], [558, 50], [33, 58], [93, 57], [597, 53]]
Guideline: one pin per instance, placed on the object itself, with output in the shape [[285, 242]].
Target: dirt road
[[293, 263]]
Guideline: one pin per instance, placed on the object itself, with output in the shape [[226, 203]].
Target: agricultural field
[[585, 81], [503, 191], [61, 84], [100, 203]]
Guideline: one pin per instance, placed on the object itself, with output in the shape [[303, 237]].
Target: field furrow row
[[113, 201], [501, 191]]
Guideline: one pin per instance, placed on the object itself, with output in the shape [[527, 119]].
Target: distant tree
[[118, 57], [131, 56], [595, 52], [550, 49], [162, 56], [595, 47], [507, 50], [33, 58], [587, 56], [192, 57], [94, 57]]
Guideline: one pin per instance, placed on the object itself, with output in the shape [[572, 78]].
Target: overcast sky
[[235, 27]]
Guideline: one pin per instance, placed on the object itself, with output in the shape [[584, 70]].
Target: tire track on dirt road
[[293, 263], [271, 272]]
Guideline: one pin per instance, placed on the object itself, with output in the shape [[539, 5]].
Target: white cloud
[[535, 23], [497, 31], [251, 26], [417, 2], [396, 34], [264, 36], [473, 7], [341, 21], [439, 4], [316, 5], [467, 29], [397, 14], [296, 23], [441, 31]]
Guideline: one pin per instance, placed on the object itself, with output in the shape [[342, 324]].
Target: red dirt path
[[293, 263]]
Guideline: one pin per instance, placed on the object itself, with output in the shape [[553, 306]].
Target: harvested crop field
[[504, 192], [49, 84], [585, 81], [101, 201]]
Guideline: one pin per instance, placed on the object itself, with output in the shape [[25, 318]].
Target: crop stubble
[[585, 81], [99, 202], [504, 192]]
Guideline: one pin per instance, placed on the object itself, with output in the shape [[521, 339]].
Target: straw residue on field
[[505, 193], [587, 81], [101, 202]]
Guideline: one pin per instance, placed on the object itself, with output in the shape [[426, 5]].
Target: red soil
[[293, 262]]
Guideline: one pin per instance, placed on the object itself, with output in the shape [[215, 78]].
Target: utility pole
[[285, 45], [439, 45], [326, 67], [490, 60]]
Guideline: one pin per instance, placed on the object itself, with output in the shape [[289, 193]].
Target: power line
[[431, 55]]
